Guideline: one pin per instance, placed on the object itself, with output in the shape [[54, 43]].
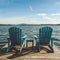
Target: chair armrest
[[23, 39], [52, 38], [24, 36], [35, 36], [55, 39]]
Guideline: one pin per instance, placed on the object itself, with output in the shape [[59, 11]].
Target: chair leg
[[38, 47], [26, 45], [51, 49], [32, 45], [20, 49]]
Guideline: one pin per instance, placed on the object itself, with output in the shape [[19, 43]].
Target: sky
[[30, 11]]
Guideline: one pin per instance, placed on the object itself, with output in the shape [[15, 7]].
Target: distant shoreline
[[29, 24]]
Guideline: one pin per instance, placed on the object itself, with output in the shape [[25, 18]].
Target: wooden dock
[[44, 54]]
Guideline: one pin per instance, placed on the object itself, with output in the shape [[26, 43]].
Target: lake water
[[30, 30]]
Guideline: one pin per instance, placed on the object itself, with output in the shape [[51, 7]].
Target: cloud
[[45, 16], [30, 7], [41, 14], [55, 14], [46, 19]]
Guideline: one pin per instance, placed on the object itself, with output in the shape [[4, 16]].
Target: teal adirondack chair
[[44, 38], [15, 38]]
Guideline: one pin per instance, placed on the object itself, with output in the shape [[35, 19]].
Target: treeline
[[6, 24], [29, 24], [38, 24]]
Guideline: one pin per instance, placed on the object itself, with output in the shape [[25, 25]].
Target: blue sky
[[30, 11]]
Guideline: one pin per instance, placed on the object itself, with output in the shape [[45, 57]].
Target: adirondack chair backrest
[[15, 35], [45, 35]]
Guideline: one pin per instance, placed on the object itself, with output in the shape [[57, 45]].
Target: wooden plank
[[43, 55]]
